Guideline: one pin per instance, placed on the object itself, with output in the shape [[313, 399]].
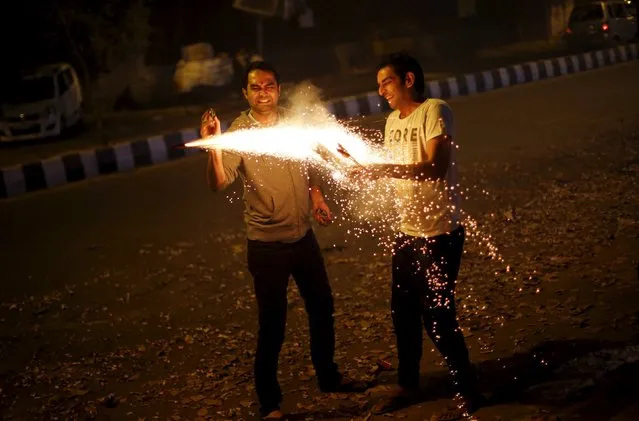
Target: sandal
[[276, 415], [450, 414], [462, 410]]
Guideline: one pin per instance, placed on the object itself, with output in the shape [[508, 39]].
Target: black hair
[[402, 63], [259, 65]]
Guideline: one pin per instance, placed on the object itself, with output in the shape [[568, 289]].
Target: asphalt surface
[[107, 244], [135, 125], [63, 236]]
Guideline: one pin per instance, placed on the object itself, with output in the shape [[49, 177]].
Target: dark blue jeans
[[424, 276], [271, 264]]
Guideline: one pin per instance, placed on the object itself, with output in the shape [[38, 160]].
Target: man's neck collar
[[407, 109], [272, 119]]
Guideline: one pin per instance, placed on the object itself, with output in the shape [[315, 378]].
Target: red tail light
[[604, 27]]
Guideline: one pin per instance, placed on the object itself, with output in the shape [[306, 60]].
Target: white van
[[40, 104], [599, 22]]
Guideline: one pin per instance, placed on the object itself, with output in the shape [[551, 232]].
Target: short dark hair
[[402, 63], [259, 65]]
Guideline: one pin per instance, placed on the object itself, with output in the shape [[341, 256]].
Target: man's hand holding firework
[[210, 124], [342, 151], [359, 171]]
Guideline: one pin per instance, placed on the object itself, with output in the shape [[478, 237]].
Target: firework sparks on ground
[[366, 207]]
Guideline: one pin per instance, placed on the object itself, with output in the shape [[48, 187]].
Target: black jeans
[[424, 276], [271, 264]]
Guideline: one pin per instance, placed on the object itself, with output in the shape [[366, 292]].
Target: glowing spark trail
[[296, 142], [372, 207], [367, 207]]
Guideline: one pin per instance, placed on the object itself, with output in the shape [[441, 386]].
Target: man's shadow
[[520, 378]]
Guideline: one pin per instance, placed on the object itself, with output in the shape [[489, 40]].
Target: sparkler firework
[[366, 207], [313, 137], [372, 206], [297, 142]]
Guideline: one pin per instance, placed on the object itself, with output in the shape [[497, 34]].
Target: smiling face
[[391, 87], [262, 91]]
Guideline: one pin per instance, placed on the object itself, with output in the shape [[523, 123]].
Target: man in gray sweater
[[279, 197]]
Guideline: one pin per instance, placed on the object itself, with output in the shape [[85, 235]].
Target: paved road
[[65, 235], [105, 244], [125, 126]]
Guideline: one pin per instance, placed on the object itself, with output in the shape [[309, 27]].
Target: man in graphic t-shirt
[[419, 137]]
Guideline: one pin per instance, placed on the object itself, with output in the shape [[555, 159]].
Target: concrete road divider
[[77, 166]]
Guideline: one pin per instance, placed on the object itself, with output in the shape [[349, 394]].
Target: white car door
[[63, 99], [75, 97], [76, 88]]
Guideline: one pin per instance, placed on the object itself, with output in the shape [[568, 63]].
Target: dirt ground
[[552, 328]]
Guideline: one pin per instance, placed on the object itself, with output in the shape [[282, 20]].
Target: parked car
[[601, 22], [40, 104]]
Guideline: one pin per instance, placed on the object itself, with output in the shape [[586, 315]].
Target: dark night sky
[[183, 22], [34, 37], [180, 22]]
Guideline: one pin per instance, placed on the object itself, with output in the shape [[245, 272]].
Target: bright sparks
[[368, 207], [297, 142]]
